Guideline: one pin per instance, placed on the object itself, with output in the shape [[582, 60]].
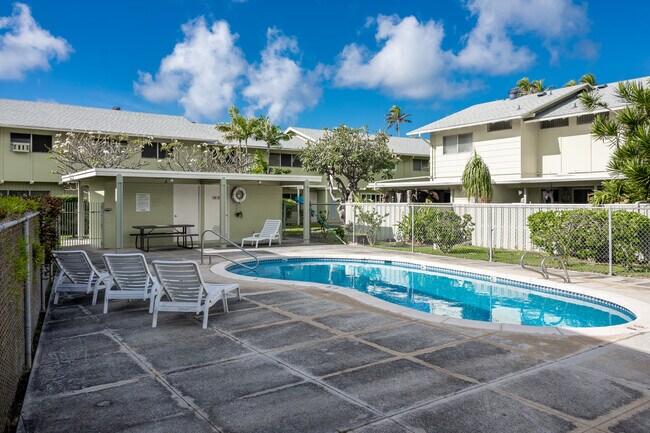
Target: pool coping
[[639, 308]]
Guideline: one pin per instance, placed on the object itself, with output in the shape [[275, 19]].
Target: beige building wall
[[262, 202]]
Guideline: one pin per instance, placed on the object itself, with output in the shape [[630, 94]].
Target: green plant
[[340, 231], [370, 221], [261, 166], [477, 181], [273, 136], [443, 228], [49, 213], [584, 234], [395, 117], [12, 207]]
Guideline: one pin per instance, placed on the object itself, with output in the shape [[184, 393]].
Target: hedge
[[584, 234]]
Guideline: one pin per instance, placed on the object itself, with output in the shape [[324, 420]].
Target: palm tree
[[271, 134], [239, 129], [477, 181], [588, 78], [570, 83], [395, 117], [524, 85], [537, 86]]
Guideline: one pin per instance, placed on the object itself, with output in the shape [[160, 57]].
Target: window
[[587, 119], [284, 160], [30, 142], [499, 126], [555, 123], [461, 143], [41, 143], [154, 151], [371, 197], [420, 165]]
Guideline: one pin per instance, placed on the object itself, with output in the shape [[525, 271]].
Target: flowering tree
[[205, 158], [77, 151]]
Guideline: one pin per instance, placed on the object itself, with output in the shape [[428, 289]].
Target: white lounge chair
[[182, 283], [76, 273], [270, 232], [131, 279]]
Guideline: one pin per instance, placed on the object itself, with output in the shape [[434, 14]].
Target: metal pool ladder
[[542, 266], [223, 238]]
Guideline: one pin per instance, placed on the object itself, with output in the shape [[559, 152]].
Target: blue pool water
[[449, 293]]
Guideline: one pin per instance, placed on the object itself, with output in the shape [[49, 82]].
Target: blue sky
[[310, 64]]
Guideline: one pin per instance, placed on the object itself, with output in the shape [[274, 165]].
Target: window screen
[[41, 143]]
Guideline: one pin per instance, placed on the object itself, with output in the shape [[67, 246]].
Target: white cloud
[[202, 72], [489, 47], [279, 84], [410, 62], [25, 46]]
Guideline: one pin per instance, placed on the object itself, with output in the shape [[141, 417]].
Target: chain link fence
[[612, 240], [21, 301]]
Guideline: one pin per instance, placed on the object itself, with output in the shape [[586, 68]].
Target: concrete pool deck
[[306, 360]]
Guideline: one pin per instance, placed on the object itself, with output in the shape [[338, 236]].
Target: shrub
[[443, 228], [584, 234], [370, 221]]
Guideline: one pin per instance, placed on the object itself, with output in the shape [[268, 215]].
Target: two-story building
[[539, 147]]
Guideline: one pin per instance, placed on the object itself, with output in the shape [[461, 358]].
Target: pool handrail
[[543, 269], [223, 238]]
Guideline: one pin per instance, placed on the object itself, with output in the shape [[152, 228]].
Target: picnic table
[[158, 231]]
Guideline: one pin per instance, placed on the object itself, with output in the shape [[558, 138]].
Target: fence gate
[[92, 232]]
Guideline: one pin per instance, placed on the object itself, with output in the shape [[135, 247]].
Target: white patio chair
[[76, 273], [183, 285], [131, 279], [270, 232]]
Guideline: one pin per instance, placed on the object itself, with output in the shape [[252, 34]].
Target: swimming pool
[[445, 292]]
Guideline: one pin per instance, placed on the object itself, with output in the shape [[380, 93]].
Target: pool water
[[449, 293]]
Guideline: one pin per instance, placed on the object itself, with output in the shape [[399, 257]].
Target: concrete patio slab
[[301, 408], [315, 307], [637, 423], [282, 335], [397, 385], [238, 320], [67, 312], [478, 360], [484, 411], [77, 348], [574, 392], [331, 356], [184, 353], [385, 426], [217, 384], [174, 424], [62, 329], [280, 297], [356, 321], [102, 411], [410, 337]]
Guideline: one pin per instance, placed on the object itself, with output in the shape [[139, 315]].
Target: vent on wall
[[555, 123], [588, 119], [499, 126]]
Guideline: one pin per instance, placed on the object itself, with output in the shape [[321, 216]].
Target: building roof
[[500, 110], [399, 145], [61, 117], [573, 107]]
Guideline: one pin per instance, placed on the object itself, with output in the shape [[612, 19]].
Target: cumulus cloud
[[25, 46], [409, 63], [410, 60], [278, 84], [202, 72], [489, 46]]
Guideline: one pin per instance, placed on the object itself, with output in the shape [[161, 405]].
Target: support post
[[611, 242], [306, 226], [81, 220], [28, 296], [412, 228], [223, 208], [119, 212]]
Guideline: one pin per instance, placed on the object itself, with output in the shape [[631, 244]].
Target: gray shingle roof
[[502, 109], [61, 117], [573, 106], [400, 145]]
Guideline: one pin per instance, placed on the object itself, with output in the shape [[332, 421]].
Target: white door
[[186, 206], [211, 210]]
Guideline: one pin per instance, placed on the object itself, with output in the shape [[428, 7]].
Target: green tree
[[628, 132], [527, 87], [272, 135], [587, 78], [239, 129], [477, 181], [395, 117], [347, 156], [261, 166]]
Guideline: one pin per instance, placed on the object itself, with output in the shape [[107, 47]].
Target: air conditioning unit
[[20, 147]]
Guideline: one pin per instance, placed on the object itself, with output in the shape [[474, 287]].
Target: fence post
[[490, 232], [28, 296], [412, 228], [611, 241], [354, 221]]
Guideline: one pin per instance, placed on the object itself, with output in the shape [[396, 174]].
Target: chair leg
[[56, 296], [206, 307], [155, 318], [95, 295], [106, 294], [151, 299], [224, 299], [238, 293]]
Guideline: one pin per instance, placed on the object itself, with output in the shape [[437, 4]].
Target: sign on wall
[[142, 202]]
